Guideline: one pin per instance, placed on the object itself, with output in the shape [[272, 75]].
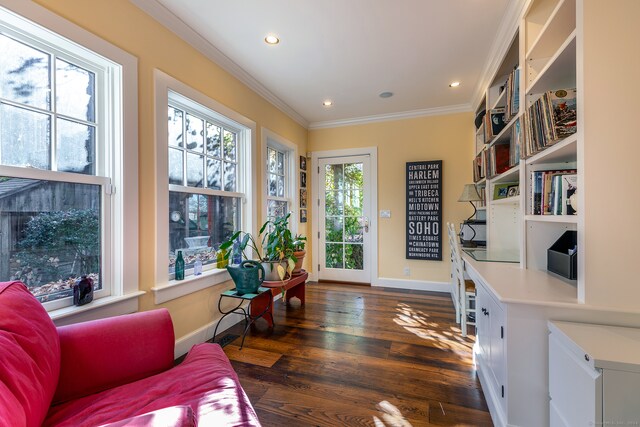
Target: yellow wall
[[443, 138], [126, 26]]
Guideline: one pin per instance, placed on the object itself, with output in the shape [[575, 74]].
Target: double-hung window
[[61, 146], [206, 153], [278, 182]]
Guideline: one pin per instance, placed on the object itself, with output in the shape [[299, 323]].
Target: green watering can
[[248, 276]]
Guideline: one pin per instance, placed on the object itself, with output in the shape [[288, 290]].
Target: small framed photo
[[303, 198], [303, 163], [303, 179], [500, 191], [303, 215], [513, 191]]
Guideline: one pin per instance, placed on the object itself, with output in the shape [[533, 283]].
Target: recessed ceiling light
[[454, 84], [328, 103], [271, 39], [386, 95]]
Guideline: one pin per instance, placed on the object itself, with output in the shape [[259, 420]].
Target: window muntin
[[204, 160], [60, 131]]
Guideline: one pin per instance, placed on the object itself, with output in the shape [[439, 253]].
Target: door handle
[[365, 223]]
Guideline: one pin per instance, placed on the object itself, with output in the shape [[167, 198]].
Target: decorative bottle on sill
[[197, 267], [179, 272]]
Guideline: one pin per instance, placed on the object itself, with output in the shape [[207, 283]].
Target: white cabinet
[[594, 375], [490, 335]]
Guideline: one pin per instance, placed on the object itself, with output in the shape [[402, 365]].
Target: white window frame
[[118, 124], [166, 88], [292, 192]]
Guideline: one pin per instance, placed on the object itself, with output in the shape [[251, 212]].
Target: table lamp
[[470, 194]]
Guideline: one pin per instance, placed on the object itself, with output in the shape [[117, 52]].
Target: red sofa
[[117, 372]]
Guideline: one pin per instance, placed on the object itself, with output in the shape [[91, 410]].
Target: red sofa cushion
[[106, 353], [175, 416], [30, 357], [205, 381]]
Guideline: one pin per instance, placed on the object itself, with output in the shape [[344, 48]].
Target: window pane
[[214, 174], [213, 140], [24, 74], [334, 203], [203, 224], [175, 127], [334, 179], [195, 133], [273, 159], [229, 176], [176, 168], [195, 166], [353, 257], [25, 137], [276, 208], [353, 202], [353, 176], [76, 147], [333, 229], [229, 146], [273, 184], [75, 91], [280, 163], [52, 233], [352, 229], [280, 186], [334, 256]]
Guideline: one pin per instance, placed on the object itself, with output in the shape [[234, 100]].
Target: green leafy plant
[[276, 243], [299, 242]]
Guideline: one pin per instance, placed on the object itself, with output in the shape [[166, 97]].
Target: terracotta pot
[[300, 257]]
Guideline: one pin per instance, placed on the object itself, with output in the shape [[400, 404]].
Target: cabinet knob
[[586, 357], [484, 310]]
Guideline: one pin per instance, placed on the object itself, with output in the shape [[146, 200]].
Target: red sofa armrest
[[106, 353]]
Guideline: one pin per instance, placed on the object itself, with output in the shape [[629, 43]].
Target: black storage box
[[559, 260]]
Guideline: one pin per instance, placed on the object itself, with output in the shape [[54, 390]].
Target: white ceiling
[[349, 51]]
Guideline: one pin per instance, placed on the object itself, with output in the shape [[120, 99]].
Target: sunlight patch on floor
[[418, 323], [391, 416]]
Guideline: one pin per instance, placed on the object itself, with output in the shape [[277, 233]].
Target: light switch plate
[[385, 213]]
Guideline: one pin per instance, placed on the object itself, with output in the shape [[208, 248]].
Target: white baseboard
[[420, 285], [204, 333]]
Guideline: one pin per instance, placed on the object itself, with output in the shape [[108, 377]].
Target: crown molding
[[438, 111], [161, 14], [508, 27]]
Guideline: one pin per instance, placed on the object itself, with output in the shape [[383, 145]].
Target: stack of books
[[512, 86], [550, 119], [552, 191]]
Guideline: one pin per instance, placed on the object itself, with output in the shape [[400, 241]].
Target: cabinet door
[[575, 388], [483, 301], [621, 400], [496, 327]]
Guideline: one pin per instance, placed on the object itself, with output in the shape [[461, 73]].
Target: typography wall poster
[[424, 210]]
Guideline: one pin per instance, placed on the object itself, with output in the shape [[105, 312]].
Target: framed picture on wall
[[303, 215], [303, 198], [303, 179], [303, 163]]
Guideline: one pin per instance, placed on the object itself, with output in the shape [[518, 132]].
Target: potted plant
[[299, 252], [277, 254]]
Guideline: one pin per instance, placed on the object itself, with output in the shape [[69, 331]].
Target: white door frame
[[372, 152]]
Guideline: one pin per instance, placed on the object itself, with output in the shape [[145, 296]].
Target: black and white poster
[[424, 210]]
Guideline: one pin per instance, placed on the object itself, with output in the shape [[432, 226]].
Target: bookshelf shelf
[[559, 72], [501, 101], [512, 174], [482, 181], [564, 219], [560, 23], [507, 201], [564, 151], [505, 133]]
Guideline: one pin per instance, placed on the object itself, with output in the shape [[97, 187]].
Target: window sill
[[178, 288], [98, 309]]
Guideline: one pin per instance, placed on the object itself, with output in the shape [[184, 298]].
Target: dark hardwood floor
[[360, 356]]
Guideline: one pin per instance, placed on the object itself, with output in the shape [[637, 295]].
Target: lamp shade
[[469, 194]]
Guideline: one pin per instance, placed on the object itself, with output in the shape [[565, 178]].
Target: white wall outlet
[[407, 271], [385, 213]]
